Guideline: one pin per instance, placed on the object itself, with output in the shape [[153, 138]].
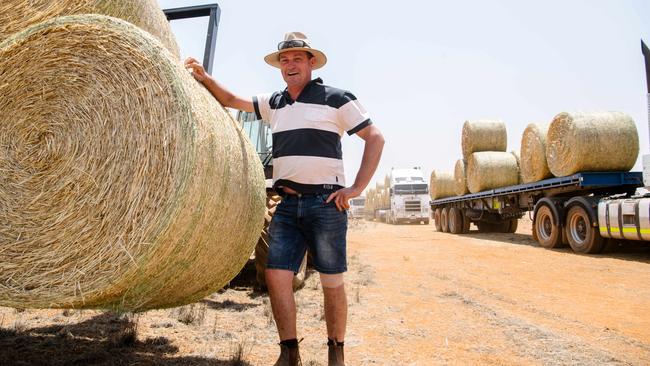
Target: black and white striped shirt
[[307, 155]]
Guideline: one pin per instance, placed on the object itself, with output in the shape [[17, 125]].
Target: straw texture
[[124, 184], [16, 15], [483, 135], [516, 155], [460, 178], [600, 141], [533, 153], [441, 185], [491, 169]]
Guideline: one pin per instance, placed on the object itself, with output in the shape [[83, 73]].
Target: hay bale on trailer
[[533, 153], [516, 155], [441, 185], [582, 142], [483, 135], [124, 184], [491, 169], [16, 15], [460, 178]]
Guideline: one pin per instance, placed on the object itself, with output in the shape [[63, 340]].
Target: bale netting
[[124, 184], [441, 185], [491, 169], [483, 135], [533, 164], [16, 15], [460, 178], [600, 141]]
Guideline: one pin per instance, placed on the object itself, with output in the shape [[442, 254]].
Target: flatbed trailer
[[565, 209]]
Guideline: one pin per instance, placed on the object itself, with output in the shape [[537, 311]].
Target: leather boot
[[288, 357], [335, 355]]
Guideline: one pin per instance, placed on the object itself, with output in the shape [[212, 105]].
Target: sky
[[422, 68]]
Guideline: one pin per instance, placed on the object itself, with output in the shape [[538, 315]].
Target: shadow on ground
[[106, 339]]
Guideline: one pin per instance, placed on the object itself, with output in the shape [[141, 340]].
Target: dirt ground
[[417, 297]]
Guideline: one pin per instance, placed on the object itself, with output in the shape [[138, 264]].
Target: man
[[307, 120]]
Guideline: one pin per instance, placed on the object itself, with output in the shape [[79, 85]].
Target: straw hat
[[296, 41]]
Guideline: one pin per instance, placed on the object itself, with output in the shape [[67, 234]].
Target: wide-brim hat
[[296, 41]]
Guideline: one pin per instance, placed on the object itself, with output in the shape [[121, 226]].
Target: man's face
[[296, 67]]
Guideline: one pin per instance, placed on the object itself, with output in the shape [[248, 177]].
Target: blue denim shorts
[[307, 222]]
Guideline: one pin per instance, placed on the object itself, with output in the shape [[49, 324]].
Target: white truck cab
[[409, 197]]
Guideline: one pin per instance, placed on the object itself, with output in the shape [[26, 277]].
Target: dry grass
[[483, 135], [599, 141], [442, 184], [16, 15], [125, 185], [491, 169], [533, 165]]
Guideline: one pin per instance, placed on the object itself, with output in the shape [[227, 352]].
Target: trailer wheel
[[444, 220], [466, 222], [547, 230], [582, 235], [455, 221], [512, 226], [436, 219]]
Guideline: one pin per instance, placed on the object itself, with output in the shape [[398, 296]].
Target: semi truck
[[582, 210], [408, 197]]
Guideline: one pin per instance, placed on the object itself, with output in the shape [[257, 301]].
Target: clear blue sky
[[422, 68]]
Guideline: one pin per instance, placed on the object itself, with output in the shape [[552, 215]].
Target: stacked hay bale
[[483, 135], [371, 203], [582, 142], [460, 177], [124, 184], [16, 15], [533, 153], [441, 185], [490, 170]]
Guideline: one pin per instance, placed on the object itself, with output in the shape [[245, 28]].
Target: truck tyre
[[512, 226], [262, 247], [547, 229], [436, 219], [444, 220], [466, 222], [455, 221], [582, 235]]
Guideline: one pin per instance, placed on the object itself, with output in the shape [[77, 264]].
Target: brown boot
[[335, 355], [288, 357]]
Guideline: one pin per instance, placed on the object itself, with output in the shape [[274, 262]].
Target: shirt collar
[[285, 92]]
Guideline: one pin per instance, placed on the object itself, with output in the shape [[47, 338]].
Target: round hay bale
[[441, 185], [516, 155], [491, 169], [583, 142], [533, 164], [16, 15], [483, 135], [460, 178], [387, 181], [124, 184]]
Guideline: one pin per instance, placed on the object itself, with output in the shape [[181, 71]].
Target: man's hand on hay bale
[[198, 71]]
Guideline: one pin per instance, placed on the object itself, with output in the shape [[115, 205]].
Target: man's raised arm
[[223, 95]]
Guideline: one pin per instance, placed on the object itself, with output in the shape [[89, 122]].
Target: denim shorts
[[307, 222]]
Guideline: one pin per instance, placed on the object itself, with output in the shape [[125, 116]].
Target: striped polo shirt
[[307, 154]]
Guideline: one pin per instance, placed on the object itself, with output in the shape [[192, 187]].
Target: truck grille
[[412, 206]]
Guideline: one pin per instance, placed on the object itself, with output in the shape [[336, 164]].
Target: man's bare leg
[[336, 306], [283, 303]]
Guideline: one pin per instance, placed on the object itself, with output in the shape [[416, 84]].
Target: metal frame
[[208, 10], [646, 55]]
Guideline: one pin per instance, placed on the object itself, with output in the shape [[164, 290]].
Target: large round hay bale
[[483, 135], [441, 185], [460, 178], [533, 153], [124, 184], [516, 155], [582, 142], [491, 169], [16, 15]]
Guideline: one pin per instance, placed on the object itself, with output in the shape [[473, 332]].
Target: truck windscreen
[[411, 189]]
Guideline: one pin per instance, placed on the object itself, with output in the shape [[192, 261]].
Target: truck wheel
[[455, 221], [262, 248], [436, 219], [582, 235], [444, 220], [466, 222], [546, 228], [512, 226]]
